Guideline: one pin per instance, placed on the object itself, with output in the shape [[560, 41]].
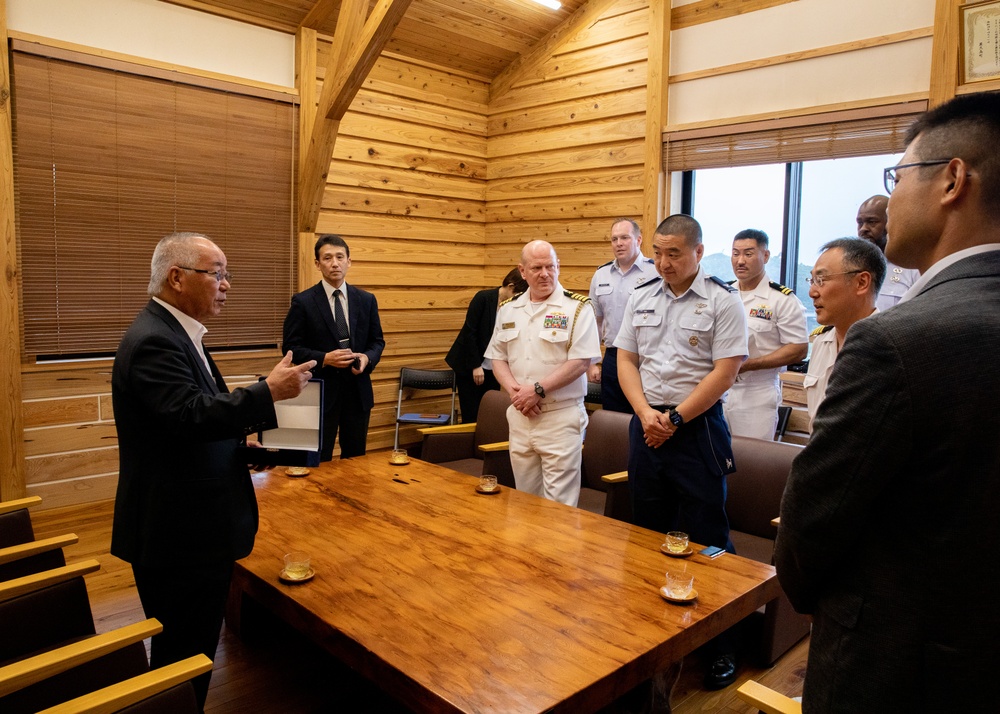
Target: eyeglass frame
[[219, 275], [889, 179], [820, 279]]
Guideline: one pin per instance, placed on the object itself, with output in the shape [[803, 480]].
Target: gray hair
[[174, 249], [861, 255]]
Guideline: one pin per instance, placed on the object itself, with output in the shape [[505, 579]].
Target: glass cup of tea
[[677, 542], [679, 584], [297, 565], [399, 456], [487, 483]]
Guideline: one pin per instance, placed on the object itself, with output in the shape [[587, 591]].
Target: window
[[107, 162]]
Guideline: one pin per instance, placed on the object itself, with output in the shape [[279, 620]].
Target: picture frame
[[980, 41]]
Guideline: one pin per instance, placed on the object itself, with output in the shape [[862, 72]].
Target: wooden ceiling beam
[[316, 18]]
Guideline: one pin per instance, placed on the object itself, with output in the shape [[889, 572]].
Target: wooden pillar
[[305, 81], [12, 431], [944, 52], [656, 189]]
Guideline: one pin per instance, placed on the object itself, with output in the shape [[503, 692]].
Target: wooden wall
[[565, 146]]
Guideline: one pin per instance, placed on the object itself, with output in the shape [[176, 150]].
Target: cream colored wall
[[160, 31], [860, 74]]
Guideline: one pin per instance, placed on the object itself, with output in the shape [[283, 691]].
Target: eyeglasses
[[217, 274], [889, 175], [818, 280]]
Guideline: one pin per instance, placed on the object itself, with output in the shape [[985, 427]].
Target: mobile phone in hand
[[356, 364]]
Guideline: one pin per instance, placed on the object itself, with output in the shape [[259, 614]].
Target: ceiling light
[[551, 4]]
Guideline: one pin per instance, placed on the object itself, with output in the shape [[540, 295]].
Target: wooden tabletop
[[455, 601]]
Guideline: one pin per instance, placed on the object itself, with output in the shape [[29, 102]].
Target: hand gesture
[[287, 380]]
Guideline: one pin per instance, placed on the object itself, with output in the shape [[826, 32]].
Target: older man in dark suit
[[889, 530], [337, 326], [185, 508]]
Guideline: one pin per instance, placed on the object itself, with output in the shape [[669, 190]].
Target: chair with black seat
[[427, 379], [15, 521], [478, 448], [34, 556]]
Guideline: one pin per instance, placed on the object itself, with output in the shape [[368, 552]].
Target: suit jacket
[[184, 496], [469, 347], [889, 523], [310, 332]]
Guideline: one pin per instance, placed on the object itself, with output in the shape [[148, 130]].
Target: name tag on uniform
[[507, 326]]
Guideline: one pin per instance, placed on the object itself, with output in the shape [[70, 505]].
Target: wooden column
[[12, 433], [305, 82], [944, 52], [656, 189]]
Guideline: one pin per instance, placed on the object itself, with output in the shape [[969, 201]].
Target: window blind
[[107, 162], [831, 135]]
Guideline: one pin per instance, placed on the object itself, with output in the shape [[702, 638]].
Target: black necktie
[[343, 334]]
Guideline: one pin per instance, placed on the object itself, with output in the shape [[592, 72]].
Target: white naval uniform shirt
[[774, 319], [897, 282], [610, 289], [536, 342], [678, 339], [823, 355]]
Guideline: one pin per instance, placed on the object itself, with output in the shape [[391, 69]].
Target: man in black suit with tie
[[185, 508], [889, 532], [337, 326]]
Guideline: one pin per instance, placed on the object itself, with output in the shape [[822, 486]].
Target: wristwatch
[[539, 391], [675, 417]]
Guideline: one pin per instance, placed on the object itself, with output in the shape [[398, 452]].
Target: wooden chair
[[605, 452], [477, 448], [767, 700], [34, 556], [46, 610], [15, 521], [72, 670]]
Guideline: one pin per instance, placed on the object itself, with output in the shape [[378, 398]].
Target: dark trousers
[[189, 601], [681, 485], [344, 415], [471, 394], [612, 396]]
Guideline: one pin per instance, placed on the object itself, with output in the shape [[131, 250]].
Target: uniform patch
[[693, 340], [507, 326], [556, 321], [764, 312]]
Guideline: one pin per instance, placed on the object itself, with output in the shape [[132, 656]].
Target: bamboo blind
[[107, 162], [827, 136]]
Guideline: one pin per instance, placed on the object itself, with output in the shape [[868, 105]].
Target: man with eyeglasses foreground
[[889, 528], [543, 342], [871, 220], [843, 286], [185, 510]]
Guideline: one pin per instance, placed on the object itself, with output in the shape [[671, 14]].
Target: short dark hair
[[860, 254], [635, 226], [968, 128], [330, 239], [681, 224], [515, 278], [759, 237]]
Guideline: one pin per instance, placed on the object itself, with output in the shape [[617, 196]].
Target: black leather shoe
[[721, 673]]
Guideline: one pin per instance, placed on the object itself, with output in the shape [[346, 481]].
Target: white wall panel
[[164, 32], [873, 73]]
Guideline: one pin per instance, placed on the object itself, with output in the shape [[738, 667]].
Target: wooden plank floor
[[279, 670]]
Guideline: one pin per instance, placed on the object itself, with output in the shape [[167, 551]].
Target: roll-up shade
[[831, 135], [107, 162]]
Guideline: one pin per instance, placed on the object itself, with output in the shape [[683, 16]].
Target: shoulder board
[[721, 283], [731, 282], [651, 281], [820, 330], [647, 260], [605, 265], [515, 296], [576, 296], [779, 287]]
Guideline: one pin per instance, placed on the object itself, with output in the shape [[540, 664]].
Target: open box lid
[[300, 421]]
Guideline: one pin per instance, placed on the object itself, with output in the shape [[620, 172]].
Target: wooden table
[[454, 601]]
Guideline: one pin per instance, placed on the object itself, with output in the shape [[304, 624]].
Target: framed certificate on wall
[[980, 23]]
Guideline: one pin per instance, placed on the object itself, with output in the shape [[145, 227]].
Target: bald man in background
[[871, 221]]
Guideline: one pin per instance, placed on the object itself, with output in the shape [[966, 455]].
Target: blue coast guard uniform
[[610, 289], [681, 485]]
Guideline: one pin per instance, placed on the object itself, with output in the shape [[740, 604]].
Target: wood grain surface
[[453, 601]]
